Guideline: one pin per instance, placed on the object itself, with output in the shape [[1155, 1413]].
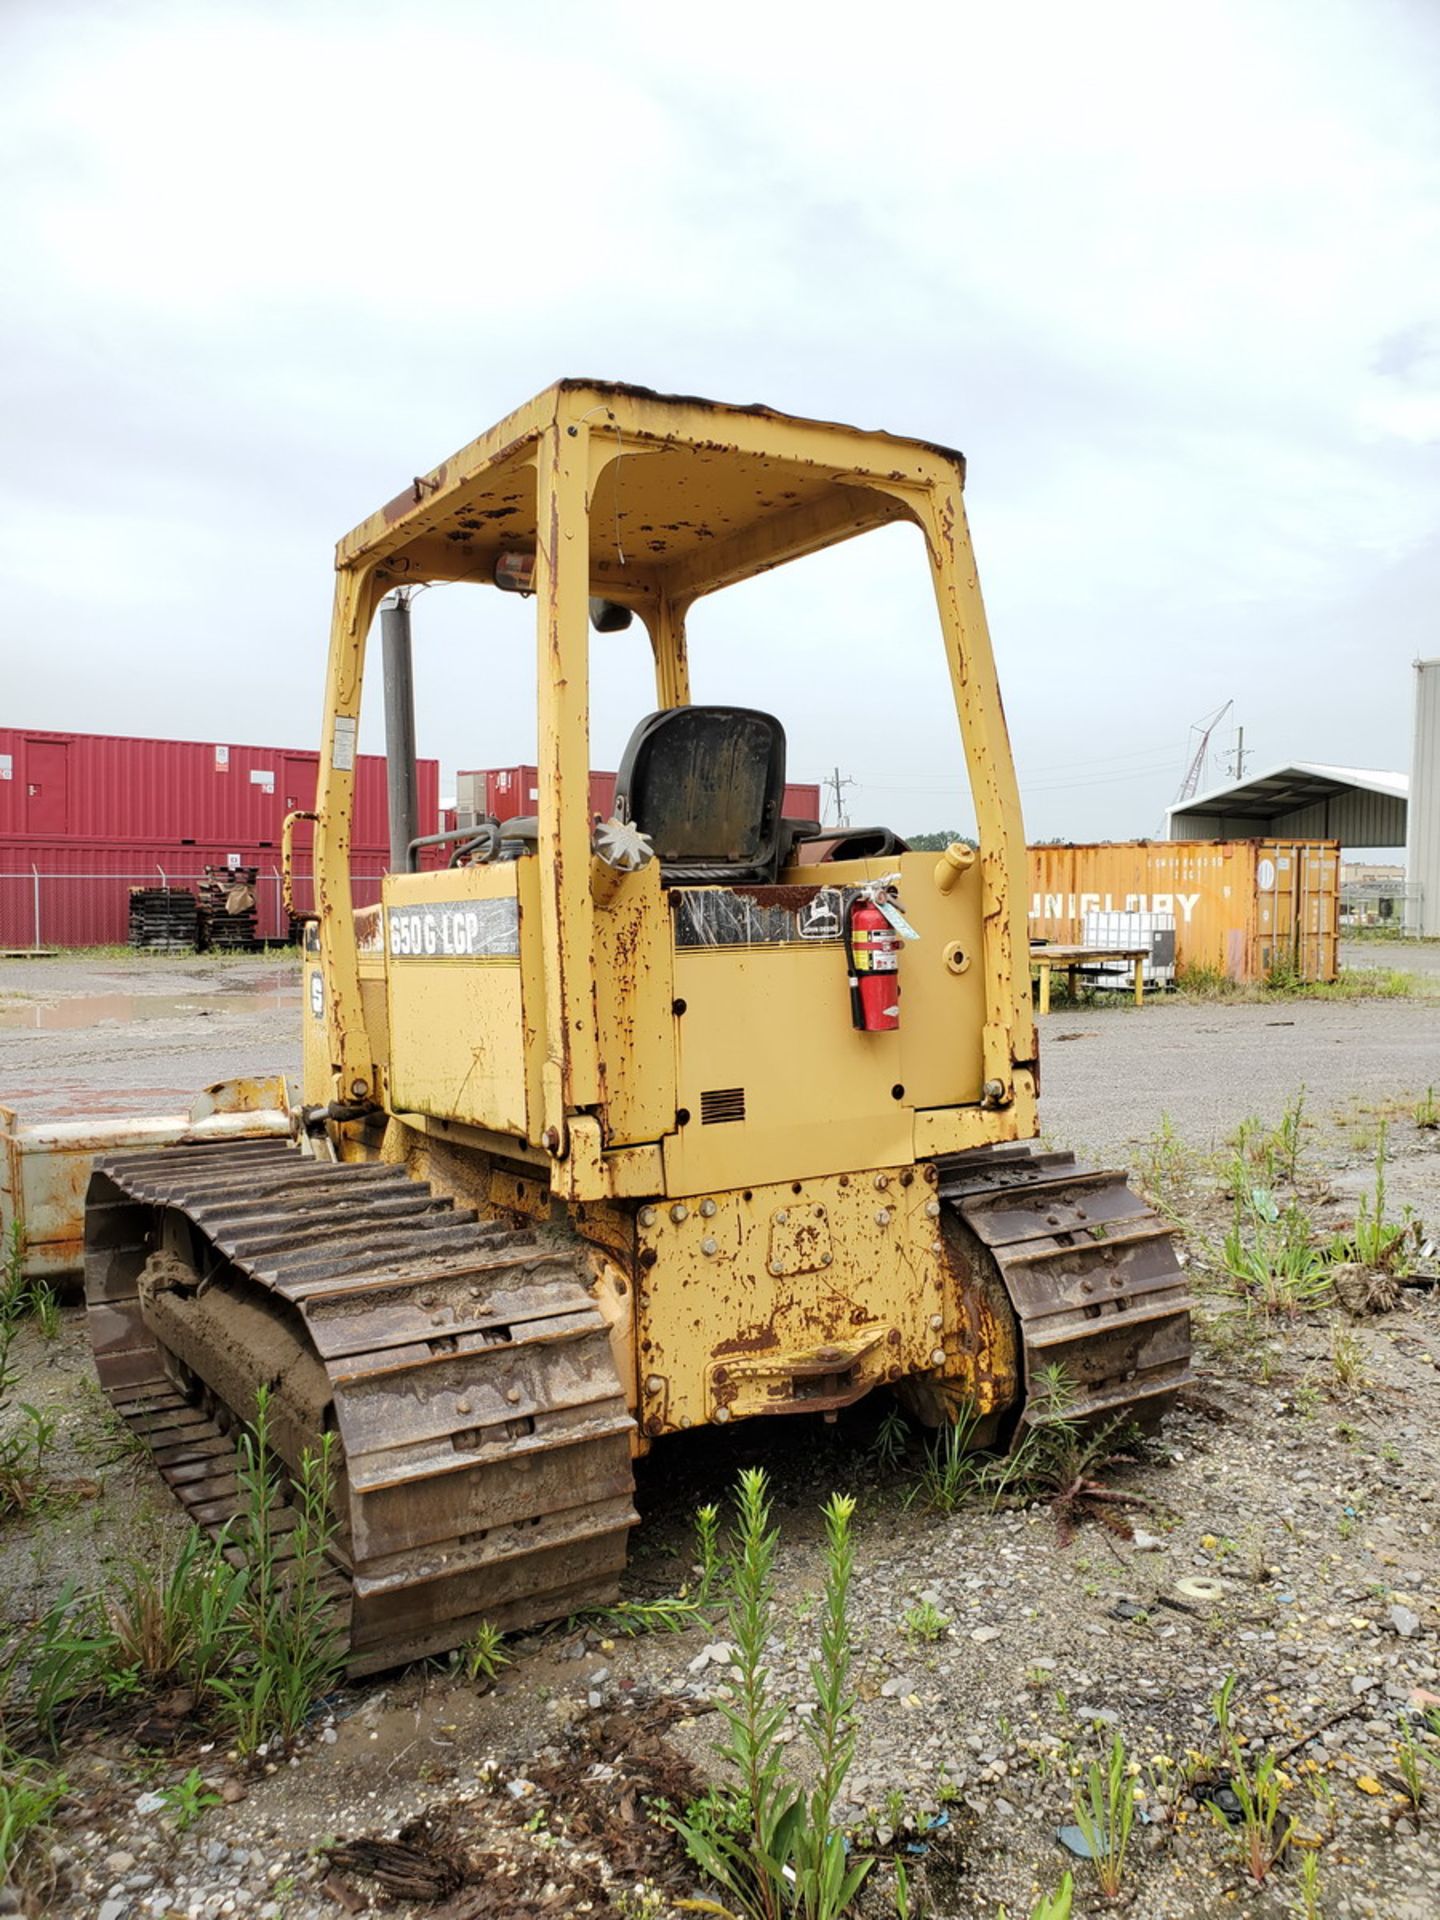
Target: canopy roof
[[702, 494], [1279, 790]]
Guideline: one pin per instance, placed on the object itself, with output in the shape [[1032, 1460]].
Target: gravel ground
[[1299, 1477], [140, 1033]]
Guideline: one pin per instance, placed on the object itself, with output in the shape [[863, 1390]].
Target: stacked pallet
[[227, 909], [164, 919]]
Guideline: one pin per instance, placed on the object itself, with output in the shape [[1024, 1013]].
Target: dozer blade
[[45, 1165], [485, 1471], [1091, 1272]]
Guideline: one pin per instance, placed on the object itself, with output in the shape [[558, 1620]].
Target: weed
[[709, 1558], [23, 1446], [1347, 1359], [1408, 1756], [671, 1613], [179, 1620], [892, 1439], [1263, 1833], [949, 1470], [56, 1662], [189, 1800], [674, 1613], [291, 1643], [1377, 1241], [1271, 1253], [1322, 1792], [1059, 1459], [1200, 982], [483, 1654], [1427, 1110], [924, 1621], [770, 1845], [22, 1299], [1056, 1458], [1165, 1165], [1307, 1894], [1105, 1813], [1052, 1906], [29, 1794]]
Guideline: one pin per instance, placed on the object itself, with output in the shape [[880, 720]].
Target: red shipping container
[[104, 790]]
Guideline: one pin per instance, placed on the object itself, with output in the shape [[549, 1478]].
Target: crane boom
[[1197, 759]]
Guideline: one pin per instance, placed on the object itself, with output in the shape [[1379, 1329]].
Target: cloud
[[1170, 278]]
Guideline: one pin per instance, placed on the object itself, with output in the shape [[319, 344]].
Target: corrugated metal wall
[[1355, 819], [1423, 845], [106, 789], [1240, 907]]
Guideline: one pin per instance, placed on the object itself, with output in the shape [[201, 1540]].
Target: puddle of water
[[97, 1009]]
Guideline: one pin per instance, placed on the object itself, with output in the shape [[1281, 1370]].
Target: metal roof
[[1264, 796]]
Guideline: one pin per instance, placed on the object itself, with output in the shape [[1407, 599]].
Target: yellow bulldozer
[[615, 1128]]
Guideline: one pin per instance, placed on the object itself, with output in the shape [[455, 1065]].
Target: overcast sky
[[1169, 275]]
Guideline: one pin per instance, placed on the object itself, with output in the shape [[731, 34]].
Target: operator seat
[[707, 785]]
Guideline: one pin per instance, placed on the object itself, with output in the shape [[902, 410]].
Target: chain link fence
[[1379, 903], [40, 909]]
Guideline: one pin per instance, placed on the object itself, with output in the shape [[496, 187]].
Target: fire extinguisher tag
[[897, 920]]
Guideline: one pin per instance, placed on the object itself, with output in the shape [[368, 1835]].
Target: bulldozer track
[[1091, 1273], [485, 1440]]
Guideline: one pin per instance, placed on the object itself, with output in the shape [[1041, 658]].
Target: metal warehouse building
[[1358, 806]]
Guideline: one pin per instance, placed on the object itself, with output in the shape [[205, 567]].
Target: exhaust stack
[[401, 781]]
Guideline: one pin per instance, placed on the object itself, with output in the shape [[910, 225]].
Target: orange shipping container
[[1242, 907]]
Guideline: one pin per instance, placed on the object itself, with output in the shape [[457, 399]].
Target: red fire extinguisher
[[872, 944]]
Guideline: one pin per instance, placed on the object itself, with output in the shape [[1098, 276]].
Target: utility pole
[[835, 783], [1237, 758]]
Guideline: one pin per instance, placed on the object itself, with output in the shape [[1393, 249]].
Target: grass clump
[[177, 1623], [1263, 1833], [483, 1655], [245, 1621], [674, 1613], [769, 1844], [1057, 1457], [29, 1794], [1105, 1813], [1271, 1254], [26, 1434], [22, 1299]]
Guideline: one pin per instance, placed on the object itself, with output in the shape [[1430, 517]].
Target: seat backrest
[[707, 785]]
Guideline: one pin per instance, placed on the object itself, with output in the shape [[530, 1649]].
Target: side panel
[[634, 992], [774, 1078], [458, 1019]]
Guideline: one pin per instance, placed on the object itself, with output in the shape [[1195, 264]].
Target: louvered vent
[[720, 1104]]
